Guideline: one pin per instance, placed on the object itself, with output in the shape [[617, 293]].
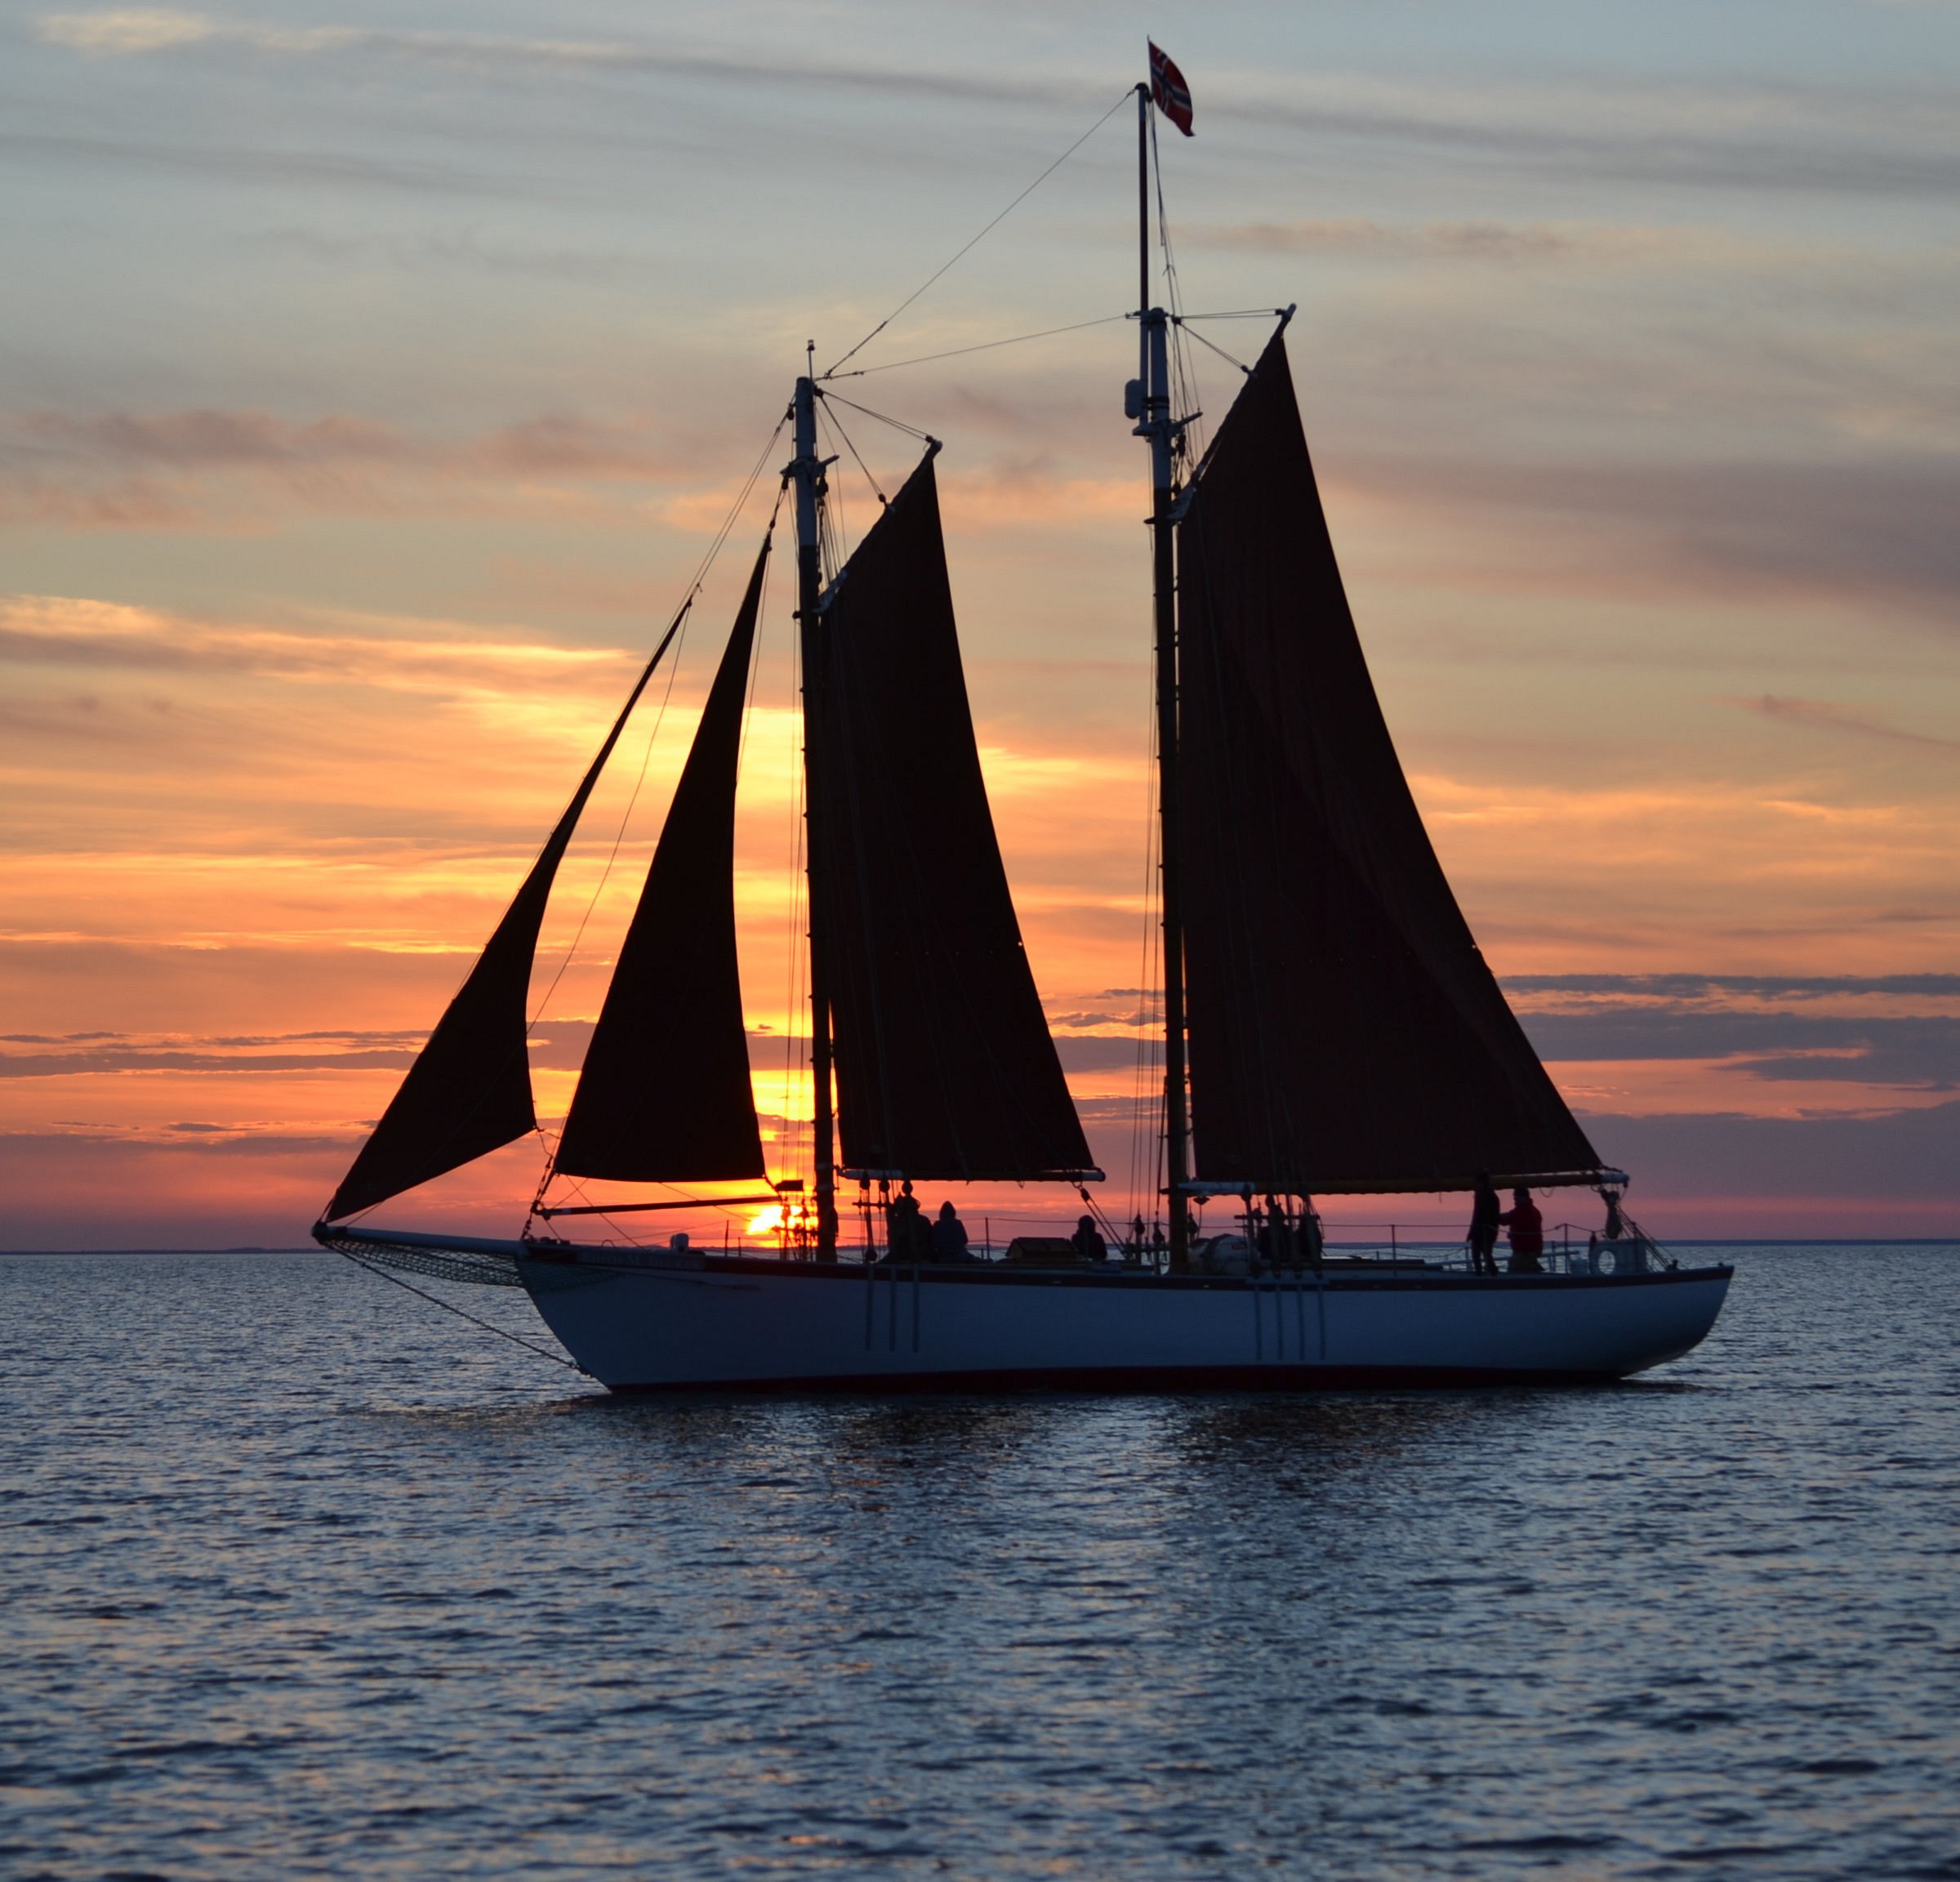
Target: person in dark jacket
[[1486, 1211], [949, 1236], [1527, 1228], [905, 1236], [1087, 1242]]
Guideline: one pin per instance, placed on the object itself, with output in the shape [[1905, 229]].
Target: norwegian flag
[[1169, 92]]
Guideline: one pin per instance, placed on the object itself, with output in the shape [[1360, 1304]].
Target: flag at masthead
[[1168, 90]]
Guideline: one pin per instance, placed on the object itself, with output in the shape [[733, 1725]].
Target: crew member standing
[[1486, 1211], [1527, 1229]]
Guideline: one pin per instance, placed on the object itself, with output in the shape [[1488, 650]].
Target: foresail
[[945, 1067], [1345, 1034], [665, 1094], [469, 1091]]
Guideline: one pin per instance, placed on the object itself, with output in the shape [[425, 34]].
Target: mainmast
[[806, 471], [1149, 404]]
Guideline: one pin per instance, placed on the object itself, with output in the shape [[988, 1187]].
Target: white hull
[[650, 1323]]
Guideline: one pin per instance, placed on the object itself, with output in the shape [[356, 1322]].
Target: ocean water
[[304, 1577]]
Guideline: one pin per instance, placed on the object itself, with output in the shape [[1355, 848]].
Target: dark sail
[[945, 1067], [665, 1094], [469, 1091], [1345, 1034]]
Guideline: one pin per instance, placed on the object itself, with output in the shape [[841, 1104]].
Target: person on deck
[[1527, 1228], [905, 1238], [1087, 1242], [1486, 1211], [949, 1236]]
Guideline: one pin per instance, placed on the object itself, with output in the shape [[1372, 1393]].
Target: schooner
[[1328, 1025]]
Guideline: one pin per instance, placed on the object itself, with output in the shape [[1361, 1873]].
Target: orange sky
[[371, 393]]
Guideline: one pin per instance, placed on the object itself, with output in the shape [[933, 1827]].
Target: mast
[[1151, 407], [806, 470]]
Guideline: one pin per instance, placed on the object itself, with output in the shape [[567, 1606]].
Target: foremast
[[806, 472], [1149, 405]]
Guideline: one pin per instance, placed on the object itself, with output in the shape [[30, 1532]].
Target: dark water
[[302, 1578]]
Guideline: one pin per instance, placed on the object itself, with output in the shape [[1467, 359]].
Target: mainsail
[[469, 1091], [665, 1093], [945, 1067], [1345, 1032]]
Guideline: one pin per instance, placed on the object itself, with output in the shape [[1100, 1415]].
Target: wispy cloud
[[1868, 524], [261, 165], [1478, 241], [1709, 136], [60, 631], [1825, 713], [220, 469], [1876, 1162], [129, 33], [1705, 986], [1915, 1054]]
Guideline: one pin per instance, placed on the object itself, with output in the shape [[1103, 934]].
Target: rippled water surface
[[303, 1577]]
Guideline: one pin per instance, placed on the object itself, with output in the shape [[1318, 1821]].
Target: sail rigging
[[469, 1091], [1344, 1031], [665, 1095], [945, 1067]]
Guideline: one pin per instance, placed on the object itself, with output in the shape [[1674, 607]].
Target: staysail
[[469, 1091], [945, 1067], [1345, 1032], [665, 1094]]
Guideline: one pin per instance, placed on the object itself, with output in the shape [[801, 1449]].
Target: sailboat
[[1328, 1026]]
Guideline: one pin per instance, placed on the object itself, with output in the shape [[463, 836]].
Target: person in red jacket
[[1527, 1229]]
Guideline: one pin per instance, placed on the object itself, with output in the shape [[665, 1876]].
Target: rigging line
[[762, 608], [791, 1137], [1237, 313], [735, 508], [701, 573], [619, 835], [1221, 352], [1186, 385], [985, 347], [1142, 1126], [1129, 92], [883, 418], [450, 1306], [646, 758], [832, 526], [837, 426]]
